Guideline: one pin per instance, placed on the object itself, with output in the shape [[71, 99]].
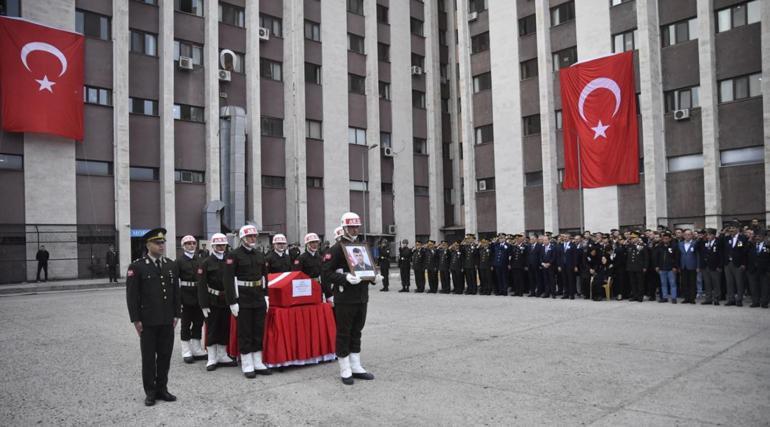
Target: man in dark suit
[[111, 260], [758, 268], [688, 264], [153, 298], [734, 246], [405, 264], [533, 266], [570, 258], [547, 267], [710, 263], [42, 262]]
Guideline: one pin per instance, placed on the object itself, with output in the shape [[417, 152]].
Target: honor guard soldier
[[310, 262], [456, 268], [404, 264], [192, 316], [278, 260], [152, 294], [470, 262], [245, 294], [418, 265], [486, 277], [211, 297], [431, 262], [351, 296], [383, 260], [294, 251], [444, 258]]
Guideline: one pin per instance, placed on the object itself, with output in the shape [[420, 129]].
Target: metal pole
[[365, 189], [580, 187]]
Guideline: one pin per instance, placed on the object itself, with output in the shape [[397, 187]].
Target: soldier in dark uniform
[[111, 259], [294, 252], [470, 263], [636, 266], [278, 259], [351, 297], [152, 294], [309, 262], [518, 265], [418, 265], [404, 264], [758, 266], [383, 260], [245, 294], [431, 262], [710, 262], [620, 286], [444, 259], [456, 268], [533, 266], [548, 268], [500, 263], [211, 297], [192, 316], [486, 278]]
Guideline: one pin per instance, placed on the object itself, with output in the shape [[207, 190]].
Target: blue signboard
[[139, 232]]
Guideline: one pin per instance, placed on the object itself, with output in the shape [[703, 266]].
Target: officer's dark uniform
[[383, 260], [276, 263], [418, 265], [637, 260], [350, 301], [192, 317], [500, 261], [432, 261], [211, 295], [294, 253], [470, 262], [404, 265], [620, 285], [111, 259], [153, 298], [485, 270], [711, 269], [518, 263], [533, 268], [310, 264], [244, 269], [758, 269], [444, 258], [456, 267]]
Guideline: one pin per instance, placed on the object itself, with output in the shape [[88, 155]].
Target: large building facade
[[429, 119]]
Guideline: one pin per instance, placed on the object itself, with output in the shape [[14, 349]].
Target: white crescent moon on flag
[[599, 83], [43, 47]]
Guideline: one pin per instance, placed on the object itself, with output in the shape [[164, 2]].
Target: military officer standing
[[404, 264], [192, 317], [518, 265], [637, 260], [245, 294], [152, 295], [431, 262], [470, 263], [383, 260], [278, 260], [456, 268], [418, 265], [211, 297], [501, 260], [444, 258], [486, 277], [710, 262]]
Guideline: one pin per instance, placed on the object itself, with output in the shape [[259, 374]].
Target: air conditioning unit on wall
[[185, 63], [264, 33], [224, 75], [392, 229], [682, 114], [387, 152]]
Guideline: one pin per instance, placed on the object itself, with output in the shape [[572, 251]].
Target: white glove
[[353, 279], [267, 303], [330, 300], [234, 309], [378, 278], [206, 312]]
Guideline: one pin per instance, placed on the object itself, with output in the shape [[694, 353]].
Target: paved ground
[[73, 358]]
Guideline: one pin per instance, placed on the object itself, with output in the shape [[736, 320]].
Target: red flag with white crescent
[[599, 119]]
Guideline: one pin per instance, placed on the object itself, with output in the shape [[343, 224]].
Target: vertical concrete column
[[402, 136], [506, 115], [374, 208], [651, 103], [466, 118], [766, 99], [295, 128], [712, 195], [211, 96], [433, 105], [253, 116], [121, 168], [334, 77], [547, 115], [166, 109], [49, 173], [456, 124]]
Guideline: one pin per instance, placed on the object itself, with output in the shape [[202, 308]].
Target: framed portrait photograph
[[360, 261]]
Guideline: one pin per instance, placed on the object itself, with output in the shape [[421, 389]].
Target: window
[[742, 156], [189, 177], [482, 82], [144, 43], [189, 6], [418, 60], [480, 43], [232, 15], [738, 16], [237, 65], [564, 58], [477, 6], [421, 191], [617, 2], [10, 8], [270, 70], [416, 26], [273, 24], [97, 96], [188, 113], [385, 140], [357, 136], [273, 181], [679, 32], [533, 179], [313, 182], [271, 126], [623, 42], [418, 99], [151, 2], [385, 90], [680, 99], [529, 69], [740, 88], [92, 24], [355, 43], [562, 13], [356, 6], [445, 105], [443, 36], [136, 173], [527, 25], [314, 129], [531, 124], [145, 107], [382, 14], [685, 163], [420, 145], [559, 120], [11, 162], [312, 73], [189, 50], [356, 84], [313, 31], [383, 52], [486, 184], [483, 134], [359, 185]]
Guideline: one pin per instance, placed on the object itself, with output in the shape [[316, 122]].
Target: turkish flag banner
[[598, 100], [41, 79]]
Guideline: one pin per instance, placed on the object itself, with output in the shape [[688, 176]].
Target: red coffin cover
[[292, 288]]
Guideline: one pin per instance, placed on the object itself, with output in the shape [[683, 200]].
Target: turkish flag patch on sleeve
[[200, 271], [296, 262], [130, 273], [327, 257], [229, 261]]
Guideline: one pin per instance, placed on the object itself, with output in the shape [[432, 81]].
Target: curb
[[32, 290]]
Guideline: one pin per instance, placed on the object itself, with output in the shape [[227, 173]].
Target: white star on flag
[[45, 84], [600, 130]]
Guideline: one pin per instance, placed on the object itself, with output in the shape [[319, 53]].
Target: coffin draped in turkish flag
[[599, 118], [41, 79]]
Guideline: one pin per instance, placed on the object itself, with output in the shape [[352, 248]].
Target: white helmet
[[338, 232], [350, 219], [311, 237], [247, 230], [279, 238], [187, 239], [218, 239]]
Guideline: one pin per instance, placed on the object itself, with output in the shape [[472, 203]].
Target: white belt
[[183, 283], [249, 283], [215, 292]]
